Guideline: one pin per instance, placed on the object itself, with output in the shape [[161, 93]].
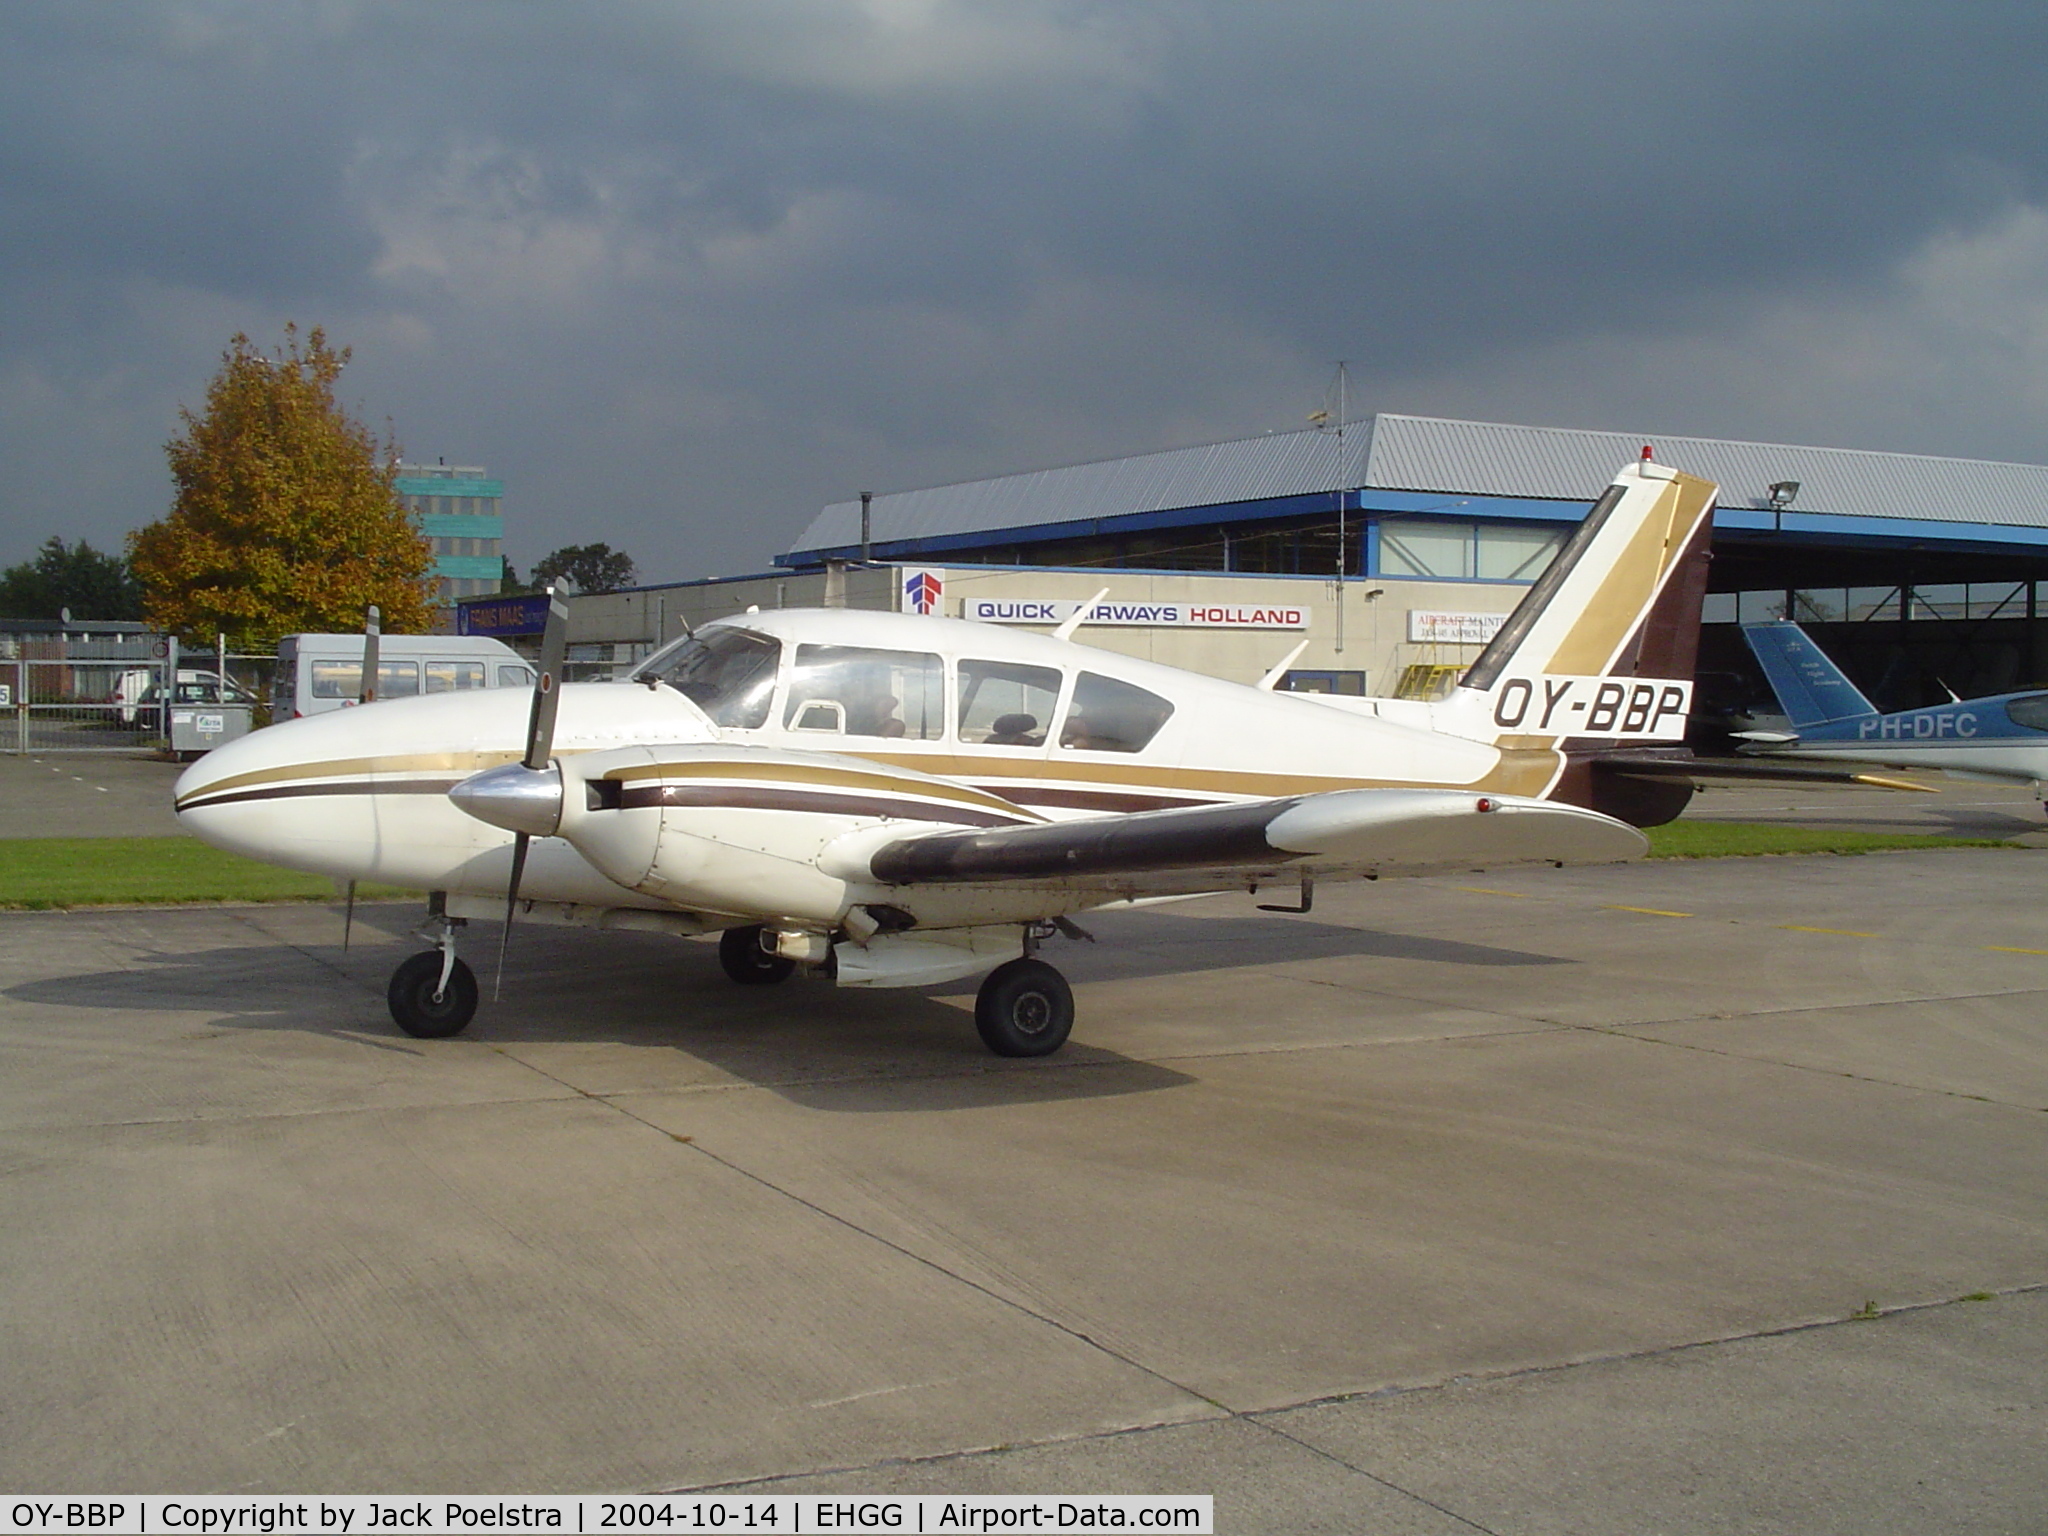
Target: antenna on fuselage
[[1280, 668], [1073, 620]]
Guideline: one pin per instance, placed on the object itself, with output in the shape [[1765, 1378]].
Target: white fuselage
[[804, 782]]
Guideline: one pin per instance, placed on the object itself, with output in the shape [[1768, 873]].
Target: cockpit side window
[[727, 673], [857, 690], [2031, 711], [1006, 703], [1109, 715]]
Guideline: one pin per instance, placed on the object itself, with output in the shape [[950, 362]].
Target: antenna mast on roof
[[1343, 532]]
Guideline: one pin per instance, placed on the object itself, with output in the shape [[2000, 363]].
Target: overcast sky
[[680, 274]]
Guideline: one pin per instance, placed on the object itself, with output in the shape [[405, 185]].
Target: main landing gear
[[433, 994], [1024, 1008], [746, 962]]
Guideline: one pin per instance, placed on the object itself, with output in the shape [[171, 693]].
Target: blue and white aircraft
[[2003, 737]]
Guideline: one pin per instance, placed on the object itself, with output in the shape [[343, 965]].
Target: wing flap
[[1407, 831]]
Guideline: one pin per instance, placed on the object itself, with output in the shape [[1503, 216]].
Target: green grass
[[55, 872], [1730, 839], [47, 872]]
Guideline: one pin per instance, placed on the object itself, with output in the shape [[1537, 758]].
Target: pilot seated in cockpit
[[1015, 731]]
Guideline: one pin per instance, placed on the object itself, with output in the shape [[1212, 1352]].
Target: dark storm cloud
[[682, 273]]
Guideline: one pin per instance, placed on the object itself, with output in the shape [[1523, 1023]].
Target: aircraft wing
[[1339, 832]]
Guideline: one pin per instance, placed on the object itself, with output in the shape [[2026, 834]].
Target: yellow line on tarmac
[[1847, 933], [2007, 949], [1480, 890], [1646, 911]]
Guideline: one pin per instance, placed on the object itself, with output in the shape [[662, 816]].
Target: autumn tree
[[287, 516], [74, 578], [586, 567]]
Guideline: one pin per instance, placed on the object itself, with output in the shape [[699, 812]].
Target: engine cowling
[[726, 829]]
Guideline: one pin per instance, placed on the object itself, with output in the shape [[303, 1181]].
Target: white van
[[316, 673]]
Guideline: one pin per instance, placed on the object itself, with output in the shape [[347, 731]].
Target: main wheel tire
[[746, 962], [1024, 1008], [414, 1005]]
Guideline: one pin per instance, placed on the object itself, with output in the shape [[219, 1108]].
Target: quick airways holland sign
[[1038, 610]]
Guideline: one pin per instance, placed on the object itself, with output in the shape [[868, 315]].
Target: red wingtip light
[[1486, 804]]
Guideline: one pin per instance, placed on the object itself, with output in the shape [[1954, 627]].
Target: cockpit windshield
[[727, 673]]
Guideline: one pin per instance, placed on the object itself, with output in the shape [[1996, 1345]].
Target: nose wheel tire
[[746, 962], [418, 1011], [1024, 1008]]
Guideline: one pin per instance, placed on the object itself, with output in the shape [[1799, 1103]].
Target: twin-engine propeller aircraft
[[899, 800]]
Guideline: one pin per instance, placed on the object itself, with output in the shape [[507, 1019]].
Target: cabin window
[[1005, 704], [857, 690], [454, 676], [2031, 711], [1112, 716], [515, 677], [727, 673]]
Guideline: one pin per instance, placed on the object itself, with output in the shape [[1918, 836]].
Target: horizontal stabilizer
[[1750, 770], [1371, 830], [1810, 689]]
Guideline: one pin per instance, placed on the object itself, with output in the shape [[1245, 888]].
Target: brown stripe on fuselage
[[759, 797], [1104, 800], [460, 764], [826, 774], [205, 798]]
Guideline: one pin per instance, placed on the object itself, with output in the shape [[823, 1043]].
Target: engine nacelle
[[744, 830]]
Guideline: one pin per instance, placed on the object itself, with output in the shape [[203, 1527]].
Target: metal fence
[[87, 692]]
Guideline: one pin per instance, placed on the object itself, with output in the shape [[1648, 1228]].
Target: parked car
[[138, 694]]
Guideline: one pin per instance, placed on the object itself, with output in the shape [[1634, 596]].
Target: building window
[[1443, 550], [1511, 553], [1462, 551]]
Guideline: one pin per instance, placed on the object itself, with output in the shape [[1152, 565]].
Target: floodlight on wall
[[1782, 493]]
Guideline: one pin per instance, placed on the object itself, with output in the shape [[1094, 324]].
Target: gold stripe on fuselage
[[1526, 766], [461, 764], [1527, 771], [823, 775]]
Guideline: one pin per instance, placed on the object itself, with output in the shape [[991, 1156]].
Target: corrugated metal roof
[[1250, 469], [1425, 453], [1492, 459]]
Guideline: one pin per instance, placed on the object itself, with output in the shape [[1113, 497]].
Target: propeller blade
[[519, 842], [373, 630], [540, 747], [547, 697], [348, 917]]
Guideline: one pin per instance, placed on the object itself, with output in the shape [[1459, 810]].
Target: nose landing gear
[[433, 995]]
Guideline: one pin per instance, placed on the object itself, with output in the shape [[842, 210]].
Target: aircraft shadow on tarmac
[[825, 1047]]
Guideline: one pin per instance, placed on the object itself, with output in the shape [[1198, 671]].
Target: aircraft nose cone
[[515, 797]]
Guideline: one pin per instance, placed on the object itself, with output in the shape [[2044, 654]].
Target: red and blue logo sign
[[923, 592]]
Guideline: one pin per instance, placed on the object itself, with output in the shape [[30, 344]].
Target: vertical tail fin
[[1603, 645], [1810, 688]]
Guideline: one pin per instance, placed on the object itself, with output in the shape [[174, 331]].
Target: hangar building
[[1394, 546]]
